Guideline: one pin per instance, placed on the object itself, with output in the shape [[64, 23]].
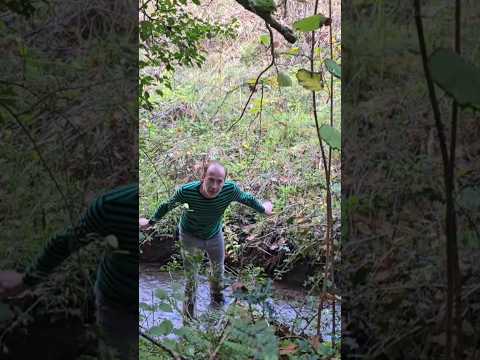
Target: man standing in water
[[112, 216], [200, 226]]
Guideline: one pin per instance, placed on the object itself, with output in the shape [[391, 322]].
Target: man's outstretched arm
[[163, 209], [61, 246], [250, 200], [55, 251]]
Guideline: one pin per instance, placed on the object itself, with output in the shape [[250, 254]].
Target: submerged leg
[[192, 258], [215, 248]]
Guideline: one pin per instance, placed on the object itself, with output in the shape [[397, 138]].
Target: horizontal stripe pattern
[[204, 217], [114, 213]]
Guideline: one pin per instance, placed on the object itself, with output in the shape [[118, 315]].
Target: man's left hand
[[143, 224]]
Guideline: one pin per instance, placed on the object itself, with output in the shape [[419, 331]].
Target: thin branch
[[285, 31], [254, 88], [431, 88], [329, 195], [229, 92], [155, 169], [453, 272], [223, 337], [39, 153], [160, 345], [453, 247]]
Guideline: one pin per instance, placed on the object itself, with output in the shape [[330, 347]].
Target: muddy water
[[287, 303]]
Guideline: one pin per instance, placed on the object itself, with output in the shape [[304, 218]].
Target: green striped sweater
[[204, 217], [115, 213]]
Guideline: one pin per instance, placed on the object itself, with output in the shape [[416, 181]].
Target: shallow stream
[[291, 307]]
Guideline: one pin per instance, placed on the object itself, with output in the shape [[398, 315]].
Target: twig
[[452, 246], [223, 101], [160, 345], [18, 320], [155, 169], [453, 272], [254, 88], [224, 335], [39, 153]]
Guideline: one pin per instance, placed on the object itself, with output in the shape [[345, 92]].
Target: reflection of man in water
[[201, 223], [116, 287]]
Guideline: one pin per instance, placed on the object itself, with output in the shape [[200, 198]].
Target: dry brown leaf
[[315, 341], [289, 349], [239, 286], [382, 276]]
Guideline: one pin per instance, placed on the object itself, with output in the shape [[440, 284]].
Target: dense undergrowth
[[393, 207], [59, 150]]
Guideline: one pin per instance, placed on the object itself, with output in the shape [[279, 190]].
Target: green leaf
[[331, 136], [145, 306], [310, 23], [5, 313], [256, 340], [183, 331], [164, 328], [264, 6], [470, 239], [283, 79], [469, 198], [333, 68], [161, 294], [165, 307], [265, 39], [310, 80], [457, 77]]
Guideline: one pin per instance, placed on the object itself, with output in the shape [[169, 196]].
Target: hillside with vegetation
[[254, 113]]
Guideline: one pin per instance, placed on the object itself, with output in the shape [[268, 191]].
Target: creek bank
[[160, 249]]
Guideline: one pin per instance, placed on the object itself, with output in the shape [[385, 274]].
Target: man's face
[[213, 180]]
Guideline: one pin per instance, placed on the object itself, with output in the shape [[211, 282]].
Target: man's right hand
[[268, 206], [143, 224], [11, 283]]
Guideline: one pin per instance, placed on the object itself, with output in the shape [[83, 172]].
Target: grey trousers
[[193, 249], [118, 330]]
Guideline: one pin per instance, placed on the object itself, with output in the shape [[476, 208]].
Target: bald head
[[213, 178]]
